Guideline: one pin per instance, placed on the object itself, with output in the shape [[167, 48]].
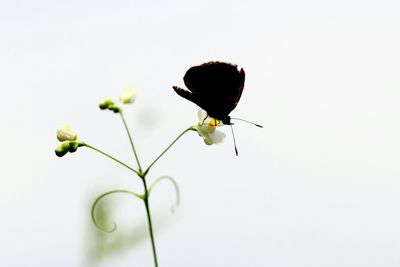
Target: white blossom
[[206, 128]]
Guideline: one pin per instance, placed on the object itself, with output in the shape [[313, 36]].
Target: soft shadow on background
[[317, 186]]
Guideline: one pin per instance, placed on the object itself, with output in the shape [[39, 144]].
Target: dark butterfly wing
[[216, 87], [186, 94]]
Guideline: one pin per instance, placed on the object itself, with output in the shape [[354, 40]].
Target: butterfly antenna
[[255, 124], [234, 141]]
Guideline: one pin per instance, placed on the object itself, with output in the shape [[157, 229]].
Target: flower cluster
[[128, 96], [110, 105], [69, 141]]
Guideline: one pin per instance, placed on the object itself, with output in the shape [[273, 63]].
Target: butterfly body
[[216, 87]]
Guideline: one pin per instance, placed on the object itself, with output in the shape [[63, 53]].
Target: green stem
[[147, 191], [146, 203], [191, 128], [111, 157], [142, 175], [130, 140]]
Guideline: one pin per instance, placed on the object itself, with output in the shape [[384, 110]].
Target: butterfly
[[215, 86]]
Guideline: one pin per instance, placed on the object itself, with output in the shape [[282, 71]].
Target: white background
[[317, 186]]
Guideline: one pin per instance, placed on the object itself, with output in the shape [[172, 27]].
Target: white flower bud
[[128, 96], [65, 133]]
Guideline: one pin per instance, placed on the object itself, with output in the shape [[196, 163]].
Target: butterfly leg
[[202, 123]]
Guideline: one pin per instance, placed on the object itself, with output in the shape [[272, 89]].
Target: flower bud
[[62, 149], [106, 103], [65, 133], [116, 109], [128, 96], [73, 146]]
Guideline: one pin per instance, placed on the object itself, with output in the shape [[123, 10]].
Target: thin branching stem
[[130, 140], [142, 175], [191, 128], [111, 157]]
